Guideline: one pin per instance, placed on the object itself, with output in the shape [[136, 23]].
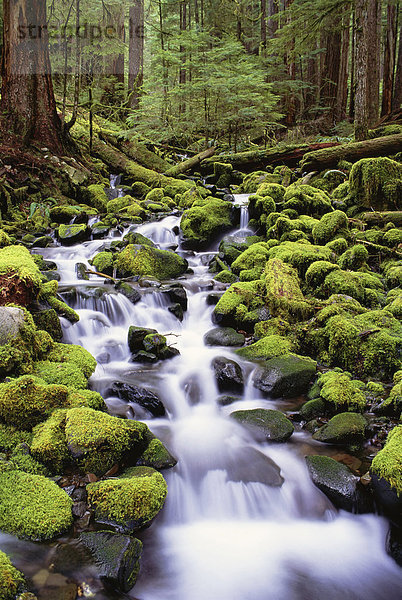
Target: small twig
[[100, 275]]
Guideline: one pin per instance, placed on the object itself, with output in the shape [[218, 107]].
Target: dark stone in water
[[228, 374], [285, 376], [52, 275], [144, 357], [103, 358], [223, 336], [394, 543], [136, 336], [81, 271], [128, 291], [117, 557], [226, 400], [252, 466], [177, 311], [177, 294], [339, 484], [138, 395], [213, 299], [266, 425], [387, 499]]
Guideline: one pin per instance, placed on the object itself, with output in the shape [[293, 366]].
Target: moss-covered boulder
[[240, 305], [376, 183], [96, 196], [266, 425], [157, 456], [131, 502], [286, 376], [33, 507], [331, 225], [341, 392], [137, 260], [252, 260], [72, 234], [205, 220], [103, 262], [48, 295], [307, 200], [228, 375], [20, 278], [301, 255], [387, 464], [347, 428], [266, 348], [48, 320], [66, 374], [224, 336], [26, 401], [117, 557], [11, 580], [354, 258], [283, 294], [74, 354], [338, 483]]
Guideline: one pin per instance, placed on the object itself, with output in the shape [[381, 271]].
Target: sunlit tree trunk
[[136, 52], [389, 59], [361, 121]]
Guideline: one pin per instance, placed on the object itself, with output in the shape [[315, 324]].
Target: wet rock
[[52, 275], [285, 376], [177, 311], [146, 261], [144, 357], [339, 484], [117, 557], [157, 456], [136, 336], [394, 543], [11, 321], [228, 375], [81, 271], [312, 409], [65, 592], [43, 242], [387, 498], [99, 230], [223, 336], [128, 291], [178, 295], [252, 466], [139, 395], [225, 400], [266, 425], [49, 321], [345, 428], [73, 234]]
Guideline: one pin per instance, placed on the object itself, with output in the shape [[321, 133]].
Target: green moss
[[266, 348], [151, 262], [10, 437], [48, 443], [376, 183], [394, 304], [354, 258], [17, 266], [33, 507], [48, 293], [317, 272], [23, 461], [87, 398], [5, 239], [338, 246], [97, 441], [331, 225], [283, 294], [11, 580], [97, 197], [190, 196], [139, 189], [344, 428], [74, 354], [238, 301], [103, 263], [274, 190], [307, 200], [63, 214], [200, 224], [339, 390], [129, 503], [155, 195], [252, 181], [66, 374], [388, 462], [254, 256], [117, 204], [274, 326], [393, 237], [72, 233], [26, 401], [156, 456], [226, 276], [300, 255], [344, 282]]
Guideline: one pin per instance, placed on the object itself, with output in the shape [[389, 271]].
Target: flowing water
[[225, 533]]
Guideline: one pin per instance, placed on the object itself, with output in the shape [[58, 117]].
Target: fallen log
[[190, 163], [327, 158], [137, 152], [382, 218], [120, 163], [259, 159]]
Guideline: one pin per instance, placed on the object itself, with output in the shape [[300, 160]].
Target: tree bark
[[397, 97], [389, 60], [331, 70], [326, 158], [272, 21], [263, 23], [190, 163], [374, 38], [27, 97], [342, 91], [361, 122], [136, 52], [137, 152]]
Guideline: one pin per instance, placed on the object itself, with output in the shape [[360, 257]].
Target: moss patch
[[146, 261], [388, 462], [266, 348], [340, 391], [11, 580]]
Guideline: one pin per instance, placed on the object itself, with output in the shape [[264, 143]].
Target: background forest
[[191, 73]]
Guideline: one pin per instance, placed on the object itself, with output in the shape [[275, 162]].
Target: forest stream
[[232, 527]]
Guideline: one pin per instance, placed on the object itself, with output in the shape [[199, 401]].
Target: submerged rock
[[139, 395]]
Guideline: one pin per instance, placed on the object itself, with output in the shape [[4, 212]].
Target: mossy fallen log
[[137, 152], [382, 218], [326, 158], [190, 163], [120, 163], [258, 159]]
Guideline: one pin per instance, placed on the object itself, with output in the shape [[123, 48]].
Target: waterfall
[[227, 531]]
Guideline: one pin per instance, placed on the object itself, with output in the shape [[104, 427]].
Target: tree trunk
[[389, 60], [342, 91], [272, 21], [27, 97], [263, 23], [374, 37], [190, 163], [361, 122], [136, 52], [397, 97], [331, 71], [328, 158]]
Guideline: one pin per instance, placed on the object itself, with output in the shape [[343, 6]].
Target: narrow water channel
[[225, 533]]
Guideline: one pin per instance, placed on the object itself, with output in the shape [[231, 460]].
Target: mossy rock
[[156, 456], [103, 263], [252, 181], [129, 503], [254, 257], [312, 409], [267, 425], [274, 190], [317, 272], [10, 437], [226, 276], [137, 260], [48, 320], [63, 214], [376, 183], [387, 464], [307, 200], [283, 294], [285, 376], [266, 348], [86, 398], [48, 294], [205, 220], [11, 580], [301, 255], [26, 401], [96, 441], [354, 258], [49, 445], [33, 507], [237, 304], [20, 278], [72, 353], [66, 374], [330, 226], [347, 428], [223, 336], [97, 197], [72, 234], [340, 391]]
